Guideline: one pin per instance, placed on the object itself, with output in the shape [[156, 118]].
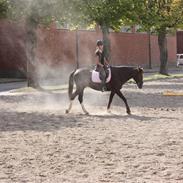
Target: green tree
[[161, 17], [3, 8], [105, 13]]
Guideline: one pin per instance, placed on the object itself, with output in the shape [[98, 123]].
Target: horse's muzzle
[[140, 85]]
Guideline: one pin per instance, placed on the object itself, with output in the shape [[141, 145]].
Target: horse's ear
[[140, 69]]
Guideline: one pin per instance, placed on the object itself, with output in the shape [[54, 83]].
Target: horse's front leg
[[80, 98], [125, 101], [110, 100]]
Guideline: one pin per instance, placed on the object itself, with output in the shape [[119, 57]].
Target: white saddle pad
[[96, 78]]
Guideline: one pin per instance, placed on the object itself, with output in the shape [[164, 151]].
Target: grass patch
[[160, 76], [10, 80], [46, 88], [56, 87], [24, 89], [154, 77]]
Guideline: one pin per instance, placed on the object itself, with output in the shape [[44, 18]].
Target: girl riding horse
[[101, 63], [119, 76]]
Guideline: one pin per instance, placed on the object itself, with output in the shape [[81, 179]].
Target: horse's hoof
[[109, 111], [87, 113], [129, 112], [66, 111]]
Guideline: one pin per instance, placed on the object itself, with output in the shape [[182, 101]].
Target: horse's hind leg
[[80, 98], [70, 106], [71, 100], [125, 101]]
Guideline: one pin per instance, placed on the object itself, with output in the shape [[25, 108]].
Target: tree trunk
[[149, 46], [31, 44], [106, 40], [162, 41]]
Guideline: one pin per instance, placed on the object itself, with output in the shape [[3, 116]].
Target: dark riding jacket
[[101, 56], [102, 59]]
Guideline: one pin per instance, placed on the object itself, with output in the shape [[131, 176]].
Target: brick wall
[[126, 48], [172, 50], [129, 48], [12, 52], [57, 48]]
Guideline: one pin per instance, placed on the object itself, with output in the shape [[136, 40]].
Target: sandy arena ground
[[39, 143]]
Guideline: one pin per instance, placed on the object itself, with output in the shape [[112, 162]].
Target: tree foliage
[[159, 14], [161, 17], [108, 13], [3, 8], [105, 13]]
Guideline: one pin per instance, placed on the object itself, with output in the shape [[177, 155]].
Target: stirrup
[[104, 88]]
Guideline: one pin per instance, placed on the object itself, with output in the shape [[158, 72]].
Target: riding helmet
[[99, 42]]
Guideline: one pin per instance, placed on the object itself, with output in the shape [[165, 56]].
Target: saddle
[[95, 77]]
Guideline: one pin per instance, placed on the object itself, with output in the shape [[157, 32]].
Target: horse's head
[[138, 77]]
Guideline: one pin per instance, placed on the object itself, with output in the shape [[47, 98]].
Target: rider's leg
[[103, 79]]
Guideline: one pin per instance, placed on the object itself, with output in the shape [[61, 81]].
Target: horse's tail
[[71, 84]]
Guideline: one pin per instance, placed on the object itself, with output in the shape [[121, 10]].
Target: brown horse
[[119, 76]]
